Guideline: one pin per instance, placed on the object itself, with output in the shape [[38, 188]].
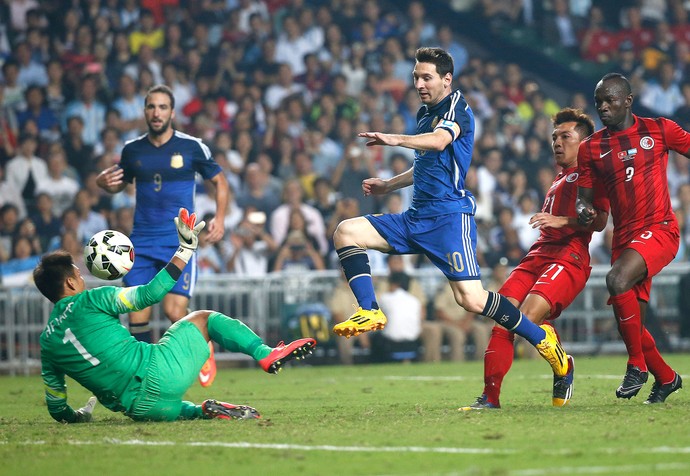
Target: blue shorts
[[148, 261], [449, 241]]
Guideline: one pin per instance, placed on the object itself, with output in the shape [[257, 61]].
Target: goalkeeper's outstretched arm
[[137, 298]]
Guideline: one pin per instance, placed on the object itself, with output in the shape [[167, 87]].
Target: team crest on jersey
[[572, 177], [176, 161], [628, 154], [646, 142], [434, 122]]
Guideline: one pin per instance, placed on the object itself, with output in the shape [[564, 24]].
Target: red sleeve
[[584, 165], [676, 137]]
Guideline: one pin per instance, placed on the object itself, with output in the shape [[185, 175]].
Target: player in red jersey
[[629, 157], [556, 268]]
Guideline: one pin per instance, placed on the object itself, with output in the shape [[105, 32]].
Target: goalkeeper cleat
[[282, 353], [563, 386], [632, 382], [208, 372], [661, 391], [363, 320], [228, 411], [482, 403], [553, 352]]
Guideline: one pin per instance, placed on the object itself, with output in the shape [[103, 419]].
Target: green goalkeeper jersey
[[85, 340]]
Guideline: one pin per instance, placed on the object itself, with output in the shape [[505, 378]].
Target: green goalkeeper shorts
[[174, 366]]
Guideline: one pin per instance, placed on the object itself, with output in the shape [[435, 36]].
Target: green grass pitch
[[366, 420]]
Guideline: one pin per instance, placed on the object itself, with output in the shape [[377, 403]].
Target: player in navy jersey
[[440, 222], [556, 268], [628, 157], [163, 163]]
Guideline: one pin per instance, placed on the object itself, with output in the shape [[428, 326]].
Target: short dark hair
[[585, 124], [160, 88], [435, 56], [620, 80], [51, 272]]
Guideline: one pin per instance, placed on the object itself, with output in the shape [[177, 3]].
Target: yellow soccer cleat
[[363, 320], [553, 352], [563, 386]]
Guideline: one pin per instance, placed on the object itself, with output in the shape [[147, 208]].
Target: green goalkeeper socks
[[190, 411], [235, 336]]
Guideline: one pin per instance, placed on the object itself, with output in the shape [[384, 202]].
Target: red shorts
[[658, 245], [557, 281]]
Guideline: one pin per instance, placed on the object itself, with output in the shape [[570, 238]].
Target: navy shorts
[[449, 241], [148, 261]]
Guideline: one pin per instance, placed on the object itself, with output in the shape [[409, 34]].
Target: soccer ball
[[109, 255]]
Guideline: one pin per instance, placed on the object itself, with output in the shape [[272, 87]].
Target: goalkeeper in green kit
[[85, 340]]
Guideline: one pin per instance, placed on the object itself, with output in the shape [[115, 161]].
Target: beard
[[161, 130]]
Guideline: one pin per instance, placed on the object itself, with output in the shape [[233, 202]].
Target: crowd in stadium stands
[[278, 89]]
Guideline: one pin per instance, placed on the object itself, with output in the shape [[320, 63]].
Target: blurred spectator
[[69, 242], [147, 33], [280, 219], [662, 95], [9, 129], [597, 41], [60, 187], [284, 86], [31, 72], [90, 222], [347, 178], [89, 109], [79, 154], [208, 258], [9, 195], [13, 96], [256, 193], [38, 111], [131, 108], [298, 254], [26, 228], [252, 246], [525, 209], [417, 20], [17, 270], [660, 50], [560, 27], [26, 170], [9, 219], [399, 340]]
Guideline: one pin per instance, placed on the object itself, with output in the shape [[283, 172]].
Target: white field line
[[352, 449], [624, 469]]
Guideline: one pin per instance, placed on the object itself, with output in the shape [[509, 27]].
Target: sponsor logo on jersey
[[627, 154], [646, 142], [176, 161], [572, 177]]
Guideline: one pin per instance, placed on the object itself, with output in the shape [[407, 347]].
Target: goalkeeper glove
[[188, 234], [83, 415]]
